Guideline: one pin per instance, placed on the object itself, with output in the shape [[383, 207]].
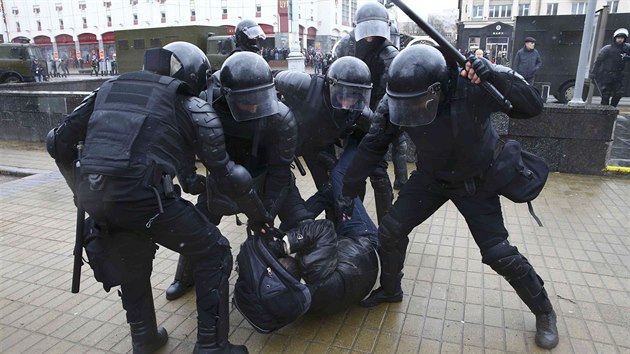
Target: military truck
[[558, 40], [131, 44], [16, 60]]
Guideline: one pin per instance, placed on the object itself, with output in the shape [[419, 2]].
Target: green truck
[[131, 44], [16, 60], [558, 40]]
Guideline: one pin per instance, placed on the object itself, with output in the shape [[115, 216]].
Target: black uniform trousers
[[181, 228], [422, 196]]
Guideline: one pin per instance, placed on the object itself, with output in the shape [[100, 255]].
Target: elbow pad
[[50, 143], [239, 185]]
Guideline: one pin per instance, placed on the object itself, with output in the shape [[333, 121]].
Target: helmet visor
[[412, 110], [372, 28], [254, 32], [253, 103], [350, 97]]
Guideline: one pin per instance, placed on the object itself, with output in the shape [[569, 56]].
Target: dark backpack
[[266, 294]]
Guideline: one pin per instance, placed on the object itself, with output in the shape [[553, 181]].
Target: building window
[[552, 8], [35, 9], [224, 14], [138, 44], [345, 12], [123, 44], [523, 10], [15, 11], [17, 27], [60, 23], [109, 20], [107, 4], [193, 15], [163, 17], [58, 7], [258, 10], [82, 5], [500, 11], [613, 6], [39, 25], [477, 11], [133, 2], [135, 19], [155, 42], [84, 22], [473, 43], [578, 8]]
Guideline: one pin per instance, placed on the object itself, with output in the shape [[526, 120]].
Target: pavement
[[452, 303]]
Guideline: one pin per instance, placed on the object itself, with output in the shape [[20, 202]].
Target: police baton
[[452, 52], [78, 240]]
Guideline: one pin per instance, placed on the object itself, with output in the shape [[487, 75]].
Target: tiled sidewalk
[[453, 303]]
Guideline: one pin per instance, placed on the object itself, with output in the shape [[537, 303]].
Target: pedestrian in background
[[609, 65], [527, 60]]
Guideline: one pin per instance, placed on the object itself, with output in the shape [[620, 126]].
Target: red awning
[[230, 29], [42, 40], [64, 39], [88, 38], [108, 38], [312, 33], [268, 29]]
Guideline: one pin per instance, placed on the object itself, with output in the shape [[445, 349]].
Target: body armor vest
[[133, 127]]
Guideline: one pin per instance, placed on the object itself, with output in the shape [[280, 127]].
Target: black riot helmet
[[349, 83], [417, 76], [247, 85], [248, 36], [181, 60], [372, 21]]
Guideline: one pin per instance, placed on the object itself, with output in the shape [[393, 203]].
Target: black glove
[[276, 247], [484, 69], [343, 207], [193, 184]]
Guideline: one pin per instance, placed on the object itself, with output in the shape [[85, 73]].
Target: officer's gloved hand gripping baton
[[452, 52]]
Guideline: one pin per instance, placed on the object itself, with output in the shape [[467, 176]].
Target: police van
[[16, 61]]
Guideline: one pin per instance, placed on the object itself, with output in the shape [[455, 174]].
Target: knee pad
[[506, 260]]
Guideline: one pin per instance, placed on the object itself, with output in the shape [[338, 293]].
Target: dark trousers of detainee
[[181, 228], [420, 197]]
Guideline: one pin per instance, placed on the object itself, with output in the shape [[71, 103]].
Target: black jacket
[[527, 62], [460, 142], [610, 62]]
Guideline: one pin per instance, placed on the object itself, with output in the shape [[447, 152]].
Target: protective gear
[[372, 21], [183, 281], [213, 331], [110, 151], [416, 78], [383, 193], [344, 47], [621, 32], [137, 301], [349, 83], [181, 60], [248, 87], [399, 158], [193, 184], [248, 36], [506, 260]]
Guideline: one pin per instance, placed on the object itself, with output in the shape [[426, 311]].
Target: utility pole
[[582, 67], [295, 59]]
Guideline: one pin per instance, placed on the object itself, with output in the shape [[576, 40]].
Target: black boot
[[390, 291], [213, 337], [383, 195], [546, 330], [516, 269], [146, 337], [183, 282], [137, 299]]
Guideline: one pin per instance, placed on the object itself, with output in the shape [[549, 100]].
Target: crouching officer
[[447, 118], [140, 129], [261, 135]]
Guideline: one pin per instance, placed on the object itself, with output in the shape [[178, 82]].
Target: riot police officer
[[261, 135], [248, 37], [371, 45], [140, 131], [447, 118], [609, 65], [328, 109]]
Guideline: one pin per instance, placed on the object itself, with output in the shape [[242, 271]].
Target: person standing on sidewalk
[[446, 114], [126, 186], [609, 65], [527, 60]]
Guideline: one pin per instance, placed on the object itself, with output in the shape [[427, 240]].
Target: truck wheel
[[568, 90], [10, 79]]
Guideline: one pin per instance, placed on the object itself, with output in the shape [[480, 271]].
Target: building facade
[[85, 28], [489, 24]]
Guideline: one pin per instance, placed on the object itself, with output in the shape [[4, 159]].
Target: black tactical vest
[[133, 129]]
